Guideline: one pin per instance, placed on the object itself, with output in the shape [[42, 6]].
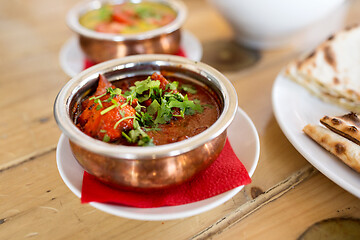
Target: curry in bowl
[[128, 17], [144, 131], [110, 29], [152, 111]]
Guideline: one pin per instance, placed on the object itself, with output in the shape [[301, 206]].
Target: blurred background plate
[[72, 58], [263, 24]]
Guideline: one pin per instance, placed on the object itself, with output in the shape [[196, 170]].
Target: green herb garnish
[[161, 106], [137, 135], [106, 138], [115, 104], [113, 91], [153, 107], [97, 97], [188, 88], [99, 106], [123, 105], [162, 103], [172, 86], [122, 119], [98, 101], [105, 13]]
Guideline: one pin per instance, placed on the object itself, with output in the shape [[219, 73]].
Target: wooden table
[[287, 194]]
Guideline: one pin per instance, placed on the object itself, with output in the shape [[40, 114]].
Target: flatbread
[[347, 126], [331, 71], [344, 149]]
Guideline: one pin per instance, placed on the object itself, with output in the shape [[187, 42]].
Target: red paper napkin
[[88, 63], [224, 174]]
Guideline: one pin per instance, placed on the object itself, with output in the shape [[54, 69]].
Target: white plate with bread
[[323, 85]]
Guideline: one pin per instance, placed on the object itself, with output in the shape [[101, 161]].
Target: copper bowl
[[155, 167], [100, 47]]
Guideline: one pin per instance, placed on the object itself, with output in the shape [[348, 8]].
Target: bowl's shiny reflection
[[97, 50]]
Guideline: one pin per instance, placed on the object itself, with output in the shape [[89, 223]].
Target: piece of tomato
[[124, 17]]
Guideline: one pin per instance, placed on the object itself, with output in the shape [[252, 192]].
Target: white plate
[[243, 137], [72, 58], [294, 108]]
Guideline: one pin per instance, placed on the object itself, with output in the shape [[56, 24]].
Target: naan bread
[[344, 149], [332, 71], [347, 126]]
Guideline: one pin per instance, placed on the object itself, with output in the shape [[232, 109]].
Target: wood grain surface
[[286, 196]]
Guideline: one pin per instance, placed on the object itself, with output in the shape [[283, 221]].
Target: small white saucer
[[72, 58], [244, 140]]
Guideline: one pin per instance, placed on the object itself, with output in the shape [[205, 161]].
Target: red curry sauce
[[89, 119]]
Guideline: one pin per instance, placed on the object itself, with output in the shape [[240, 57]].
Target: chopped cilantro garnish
[[130, 96], [160, 107], [113, 91], [106, 138], [151, 129], [126, 136], [147, 84], [172, 86], [137, 135], [99, 106], [122, 119], [115, 104], [97, 97], [153, 107], [98, 101], [145, 119], [105, 13], [164, 113], [123, 105], [188, 88], [162, 103]]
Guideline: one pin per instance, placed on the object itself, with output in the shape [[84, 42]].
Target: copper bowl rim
[[62, 107], [74, 14]]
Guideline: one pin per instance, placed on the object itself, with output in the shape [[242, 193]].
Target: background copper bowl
[[139, 168], [99, 47]]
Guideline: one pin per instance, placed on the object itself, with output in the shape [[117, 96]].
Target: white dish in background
[[295, 107], [265, 24], [72, 58], [243, 137]]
